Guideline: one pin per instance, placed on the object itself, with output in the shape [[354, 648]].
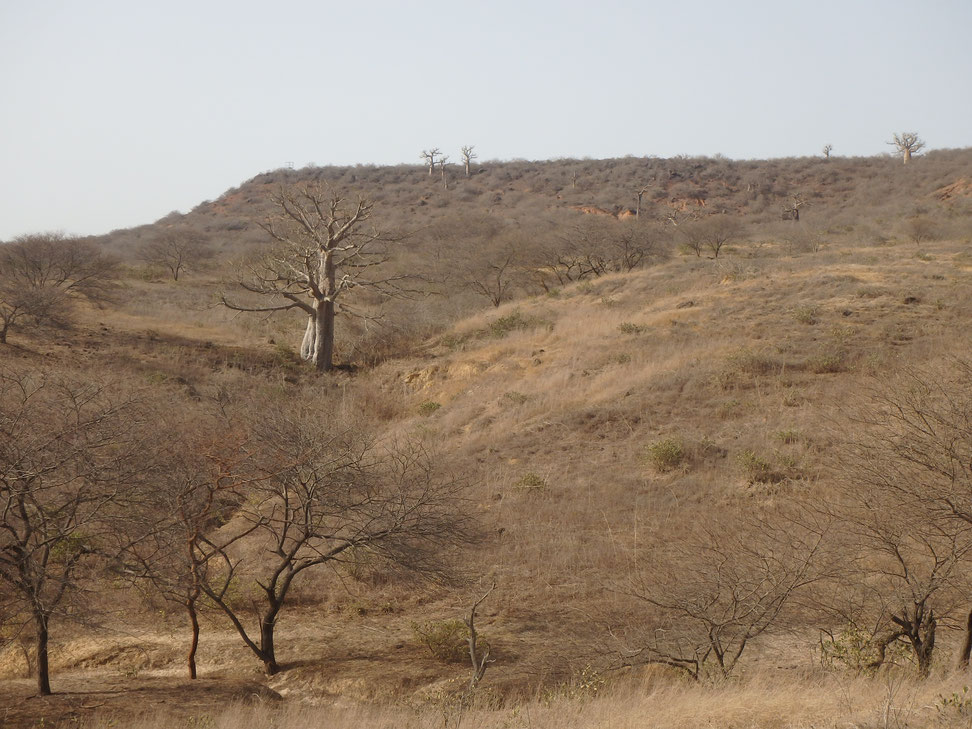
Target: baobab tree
[[430, 155], [443, 161], [323, 250], [641, 193], [908, 144], [467, 157], [827, 149]]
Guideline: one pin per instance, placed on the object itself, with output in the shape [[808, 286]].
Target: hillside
[[596, 426]]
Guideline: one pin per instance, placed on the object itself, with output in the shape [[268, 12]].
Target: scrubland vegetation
[[603, 443]]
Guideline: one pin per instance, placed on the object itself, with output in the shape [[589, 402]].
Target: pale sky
[[115, 112]]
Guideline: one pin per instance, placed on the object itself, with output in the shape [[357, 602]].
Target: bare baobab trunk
[[906, 154]]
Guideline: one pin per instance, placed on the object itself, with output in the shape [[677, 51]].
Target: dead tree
[[430, 156], [324, 250], [478, 652], [827, 149], [907, 143], [467, 157]]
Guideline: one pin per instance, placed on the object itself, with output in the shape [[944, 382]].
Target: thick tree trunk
[[324, 336], [963, 660], [907, 155], [309, 344], [194, 644], [43, 670]]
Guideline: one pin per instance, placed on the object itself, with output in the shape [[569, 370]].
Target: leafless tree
[[478, 651], [713, 232], [720, 584], [641, 193], [430, 155], [907, 143], [467, 157], [493, 277], [41, 275], [443, 161], [921, 228], [909, 466], [67, 460], [592, 248], [790, 210], [198, 482], [323, 251], [320, 496], [827, 149], [176, 250]]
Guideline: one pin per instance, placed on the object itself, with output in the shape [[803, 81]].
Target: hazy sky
[[114, 113]]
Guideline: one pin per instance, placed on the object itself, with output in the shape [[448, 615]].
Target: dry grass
[[548, 415], [825, 701]]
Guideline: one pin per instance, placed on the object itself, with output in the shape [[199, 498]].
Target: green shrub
[[758, 469], [447, 640], [516, 398], [627, 327], [789, 436], [531, 482], [665, 455], [827, 362], [512, 322], [428, 407], [806, 314]]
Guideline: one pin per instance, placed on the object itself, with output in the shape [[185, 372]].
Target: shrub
[[510, 323], [447, 640], [531, 482], [806, 314], [789, 436], [665, 455], [516, 398], [627, 327], [428, 407], [758, 469]]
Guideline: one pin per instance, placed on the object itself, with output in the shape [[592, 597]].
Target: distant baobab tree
[[467, 157], [827, 149], [429, 155], [641, 194], [908, 144], [443, 161], [791, 210]]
